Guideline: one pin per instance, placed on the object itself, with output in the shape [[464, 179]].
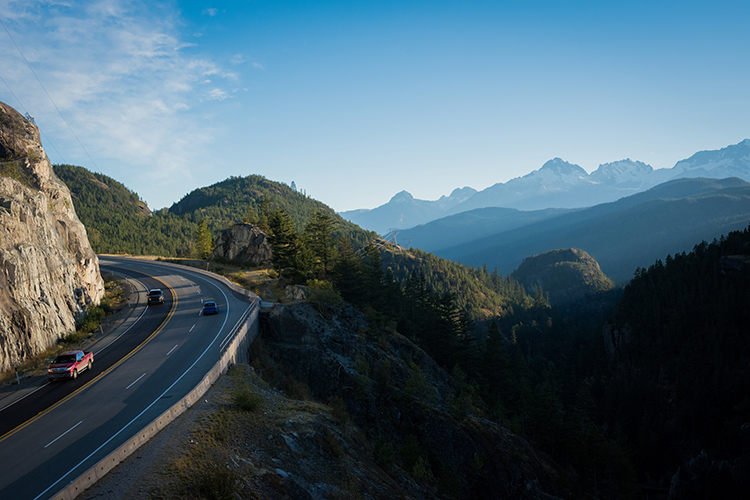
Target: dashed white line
[[136, 380], [191, 329], [61, 435], [172, 349]]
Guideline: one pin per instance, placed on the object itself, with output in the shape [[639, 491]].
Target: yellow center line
[[102, 374]]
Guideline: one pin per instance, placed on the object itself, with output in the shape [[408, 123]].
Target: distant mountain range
[[623, 235], [557, 184]]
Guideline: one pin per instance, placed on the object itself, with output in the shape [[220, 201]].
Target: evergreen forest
[[620, 391]]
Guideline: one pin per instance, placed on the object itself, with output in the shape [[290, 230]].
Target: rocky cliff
[[48, 272], [425, 435]]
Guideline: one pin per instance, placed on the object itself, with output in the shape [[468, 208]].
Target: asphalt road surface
[[52, 433]]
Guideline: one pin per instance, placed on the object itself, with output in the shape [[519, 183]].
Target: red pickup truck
[[69, 364]]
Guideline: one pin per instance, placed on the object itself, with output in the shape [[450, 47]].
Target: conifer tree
[[284, 240], [203, 241], [318, 232]]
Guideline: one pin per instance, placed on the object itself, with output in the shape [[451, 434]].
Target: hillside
[[567, 275], [678, 381], [118, 222], [622, 236]]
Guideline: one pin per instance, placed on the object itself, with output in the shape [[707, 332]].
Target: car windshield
[[154, 293], [69, 358], [210, 304]]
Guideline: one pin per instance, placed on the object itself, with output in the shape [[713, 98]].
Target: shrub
[[324, 296], [383, 453], [246, 399]]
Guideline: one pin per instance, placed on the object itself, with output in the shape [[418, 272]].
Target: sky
[[356, 100]]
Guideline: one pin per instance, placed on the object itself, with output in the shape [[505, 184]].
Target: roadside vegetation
[[592, 387], [114, 299]]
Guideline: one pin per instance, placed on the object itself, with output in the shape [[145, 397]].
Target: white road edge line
[[226, 317], [95, 354], [136, 380], [61, 435], [172, 349]]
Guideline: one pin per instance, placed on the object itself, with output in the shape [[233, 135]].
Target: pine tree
[[204, 243], [318, 232], [284, 240]]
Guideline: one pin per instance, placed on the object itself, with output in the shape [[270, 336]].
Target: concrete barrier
[[235, 351]]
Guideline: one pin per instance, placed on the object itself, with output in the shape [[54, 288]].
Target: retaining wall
[[234, 352]]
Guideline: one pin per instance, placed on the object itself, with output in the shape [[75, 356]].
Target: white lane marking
[[172, 349], [95, 354], [105, 443], [136, 380], [61, 435], [191, 329]]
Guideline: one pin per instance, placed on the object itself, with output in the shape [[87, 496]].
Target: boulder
[[244, 244]]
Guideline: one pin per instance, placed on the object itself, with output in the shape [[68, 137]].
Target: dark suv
[[155, 296]]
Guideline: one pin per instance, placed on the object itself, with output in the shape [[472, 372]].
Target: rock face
[[567, 275], [245, 244], [48, 272], [426, 435]]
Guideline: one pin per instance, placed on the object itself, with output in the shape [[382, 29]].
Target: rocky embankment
[[48, 271], [333, 407]]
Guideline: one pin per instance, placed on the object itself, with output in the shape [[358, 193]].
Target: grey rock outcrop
[[48, 272], [394, 390], [245, 244]]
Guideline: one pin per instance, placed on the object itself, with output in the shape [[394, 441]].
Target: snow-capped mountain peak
[[622, 172]]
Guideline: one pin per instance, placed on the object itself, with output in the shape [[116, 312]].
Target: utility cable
[[49, 96], [46, 139]]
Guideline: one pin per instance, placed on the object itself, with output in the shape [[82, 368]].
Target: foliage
[[246, 398], [324, 296], [117, 220], [204, 243], [681, 347]]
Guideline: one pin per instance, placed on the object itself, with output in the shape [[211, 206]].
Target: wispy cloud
[[120, 73], [210, 12], [217, 95]]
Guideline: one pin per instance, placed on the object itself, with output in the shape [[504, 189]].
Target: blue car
[[210, 307]]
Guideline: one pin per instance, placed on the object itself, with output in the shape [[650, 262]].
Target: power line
[[48, 96], [46, 139]]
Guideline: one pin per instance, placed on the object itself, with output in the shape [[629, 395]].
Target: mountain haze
[[560, 184], [403, 210], [622, 236]]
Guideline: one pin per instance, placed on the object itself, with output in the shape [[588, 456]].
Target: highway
[[54, 432]]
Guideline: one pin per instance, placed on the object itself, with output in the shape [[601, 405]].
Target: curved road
[[60, 430]]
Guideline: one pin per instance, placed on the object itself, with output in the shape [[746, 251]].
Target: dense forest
[[620, 390], [117, 220]]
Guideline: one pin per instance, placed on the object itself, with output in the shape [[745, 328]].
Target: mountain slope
[[403, 210], [678, 380], [118, 222], [623, 235], [567, 275], [559, 184]]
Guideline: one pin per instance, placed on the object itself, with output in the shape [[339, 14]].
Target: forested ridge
[[119, 222], [619, 390], [680, 383]]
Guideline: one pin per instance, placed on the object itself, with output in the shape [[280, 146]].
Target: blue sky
[[357, 100]]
